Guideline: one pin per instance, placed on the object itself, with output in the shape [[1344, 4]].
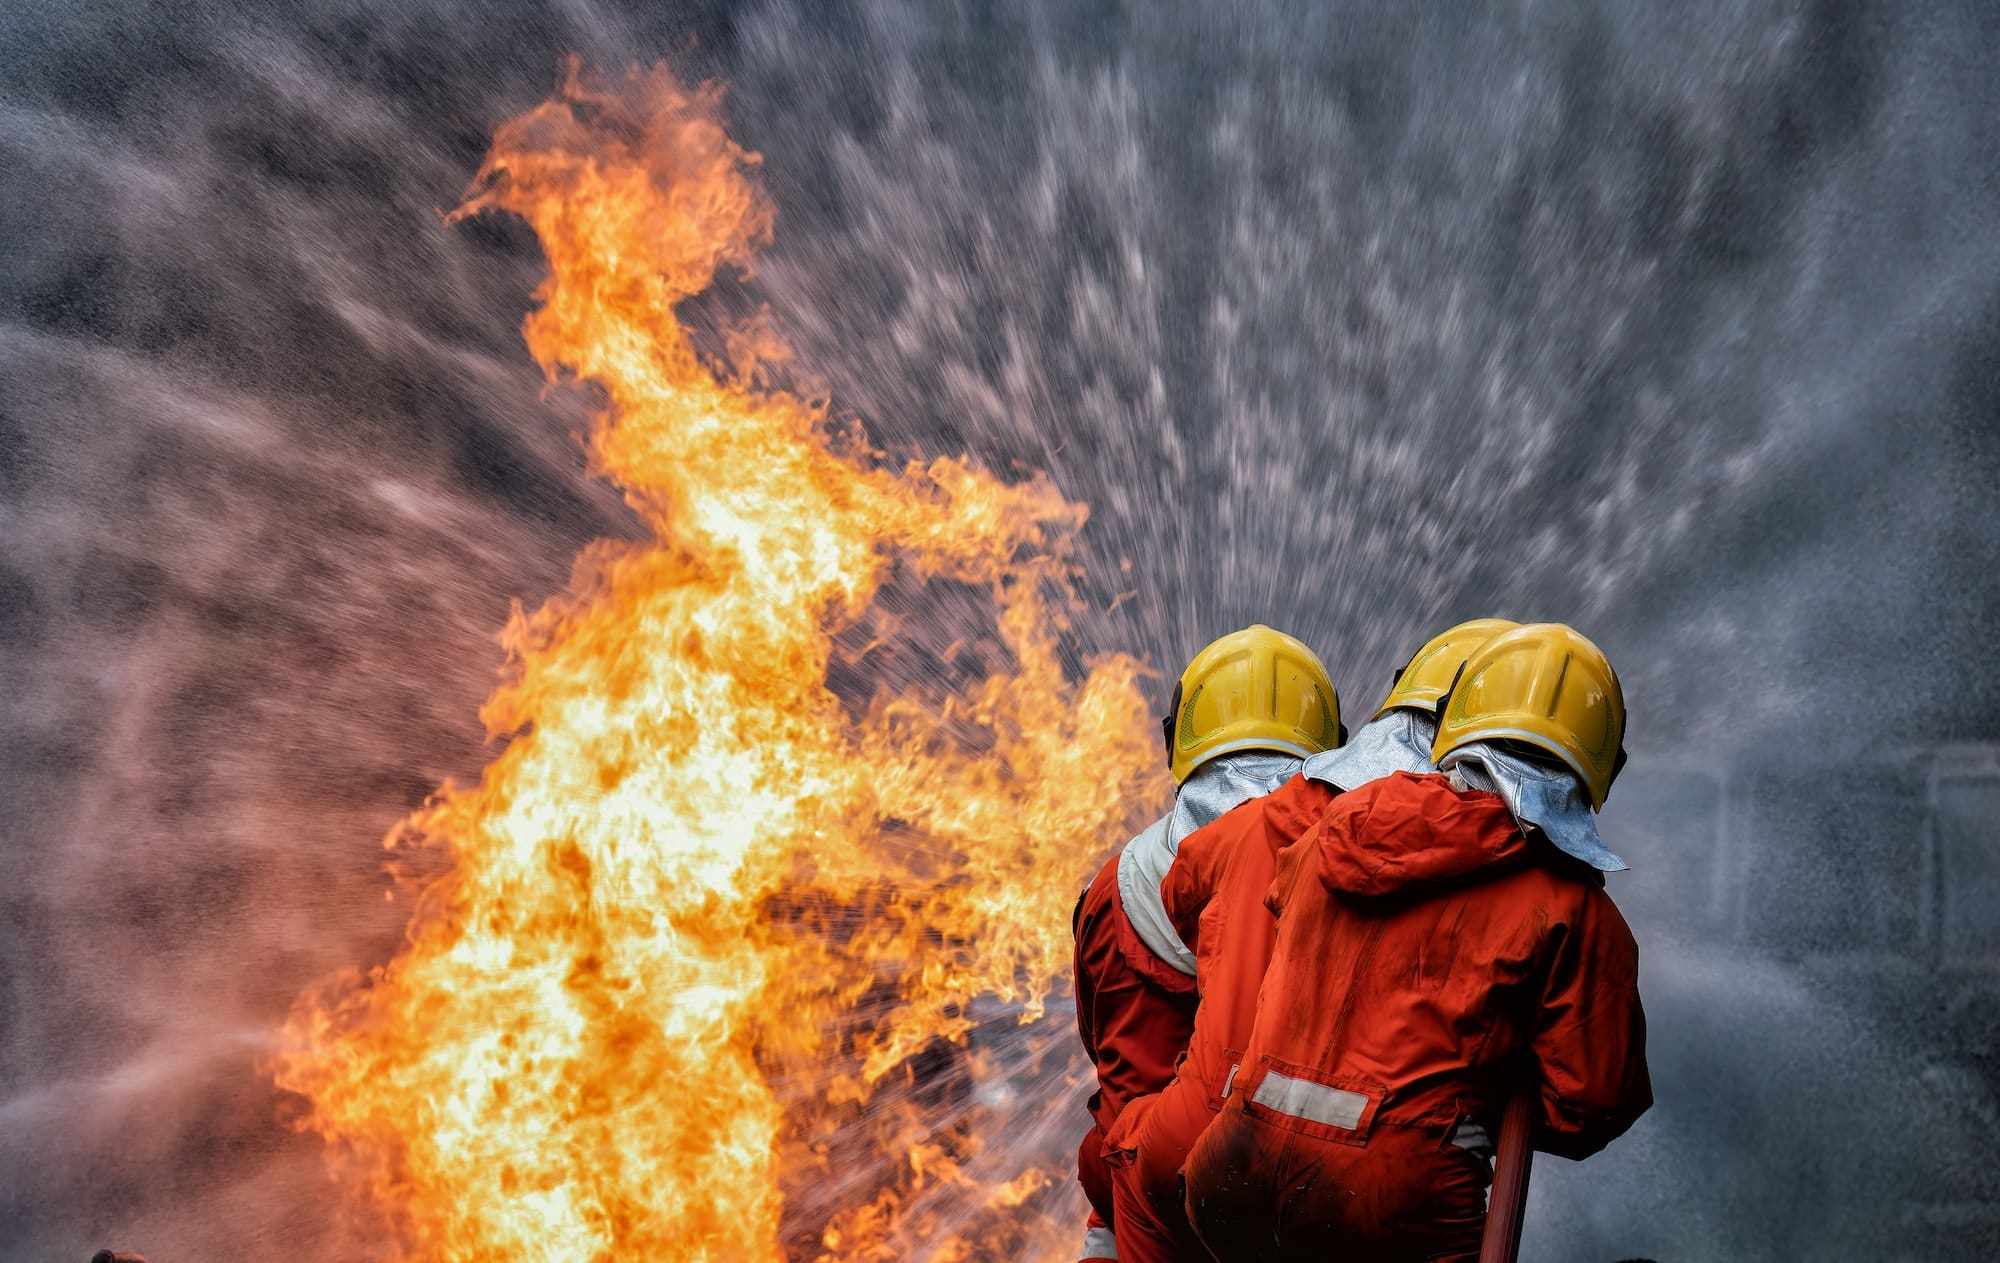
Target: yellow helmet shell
[[1545, 685], [1256, 689], [1423, 683]]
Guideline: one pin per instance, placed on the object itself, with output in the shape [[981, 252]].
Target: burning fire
[[724, 882]]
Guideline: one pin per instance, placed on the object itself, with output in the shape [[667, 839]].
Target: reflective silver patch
[[1141, 867], [1098, 1243], [1302, 1098], [1215, 788], [1400, 741], [1472, 1138]]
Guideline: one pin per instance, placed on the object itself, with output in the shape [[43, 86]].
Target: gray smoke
[[1355, 319]]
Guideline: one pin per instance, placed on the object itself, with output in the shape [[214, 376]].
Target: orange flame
[[710, 899]]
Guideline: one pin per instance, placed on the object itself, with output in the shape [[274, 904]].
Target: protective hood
[[1541, 798], [1405, 831], [1217, 787], [1399, 741]]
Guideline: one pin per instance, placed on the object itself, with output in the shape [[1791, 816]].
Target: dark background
[[1681, 323]]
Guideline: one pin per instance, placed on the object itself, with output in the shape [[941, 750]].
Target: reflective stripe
[[1098, 1243], [1272, 744], [1302, 1098]]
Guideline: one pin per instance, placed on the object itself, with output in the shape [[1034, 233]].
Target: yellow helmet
[[1256, 689], [1547, 686], [1423, 683]]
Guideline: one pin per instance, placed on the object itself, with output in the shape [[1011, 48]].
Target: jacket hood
[[1540, 797], [1405, 832]]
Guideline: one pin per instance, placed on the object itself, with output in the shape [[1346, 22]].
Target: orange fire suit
[[1428, 957], [1214, 892], [1134, 1012]]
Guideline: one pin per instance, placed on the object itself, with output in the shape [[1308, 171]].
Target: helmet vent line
[[1189, 738]]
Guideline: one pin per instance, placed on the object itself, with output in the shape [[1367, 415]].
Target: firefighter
[[1213, 894], [1246, 711], [1442, 941]]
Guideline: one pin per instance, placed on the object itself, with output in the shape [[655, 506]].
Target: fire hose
[[1507, 1206]]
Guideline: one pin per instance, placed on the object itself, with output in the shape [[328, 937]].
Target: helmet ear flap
[[1343, 733]]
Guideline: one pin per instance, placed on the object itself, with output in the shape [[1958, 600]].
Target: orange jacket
[[1133, 1010], [1427, 951], [1214, 893]]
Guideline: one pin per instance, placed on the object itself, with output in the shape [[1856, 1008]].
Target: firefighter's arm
[[1590, 1041], [1192, 878], [1095, 933], [1080, 979]]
